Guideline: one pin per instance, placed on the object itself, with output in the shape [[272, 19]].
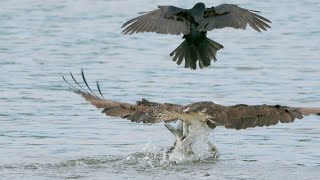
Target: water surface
[[48, 132]]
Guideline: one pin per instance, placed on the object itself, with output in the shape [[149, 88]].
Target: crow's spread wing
[[164, 20], [230, 15]]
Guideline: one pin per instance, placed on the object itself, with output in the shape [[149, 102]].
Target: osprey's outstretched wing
[[235, 117], [230, 15], [143, 111], [164, 20], [249, 116]]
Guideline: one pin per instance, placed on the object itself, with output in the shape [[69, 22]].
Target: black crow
[[193, 24]]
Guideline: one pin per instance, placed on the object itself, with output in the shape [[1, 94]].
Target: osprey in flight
[[196, 117], [193, 24]]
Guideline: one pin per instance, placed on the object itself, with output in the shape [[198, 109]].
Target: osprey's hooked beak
[[211, 123]]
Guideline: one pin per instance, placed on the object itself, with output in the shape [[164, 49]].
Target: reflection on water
[[48, 132]]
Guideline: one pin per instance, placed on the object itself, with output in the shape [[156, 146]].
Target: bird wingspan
[[164, 20], [249, 116], [230, 15], [143, 111], [235, 117]]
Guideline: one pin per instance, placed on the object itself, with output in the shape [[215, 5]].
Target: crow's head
[[199, 6]]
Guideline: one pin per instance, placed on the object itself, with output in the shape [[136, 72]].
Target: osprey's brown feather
[[235, 117]]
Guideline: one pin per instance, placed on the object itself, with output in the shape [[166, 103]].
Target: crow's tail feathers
[[203, 51]]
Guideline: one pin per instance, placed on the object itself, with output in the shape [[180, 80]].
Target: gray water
[[49, 132]]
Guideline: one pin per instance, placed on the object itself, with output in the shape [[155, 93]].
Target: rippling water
[[48, 132]]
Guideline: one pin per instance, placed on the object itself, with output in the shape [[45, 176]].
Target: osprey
[[195, 118], [193, 24]]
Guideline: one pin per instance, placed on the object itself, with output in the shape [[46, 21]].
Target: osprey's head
[[200, 111]]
